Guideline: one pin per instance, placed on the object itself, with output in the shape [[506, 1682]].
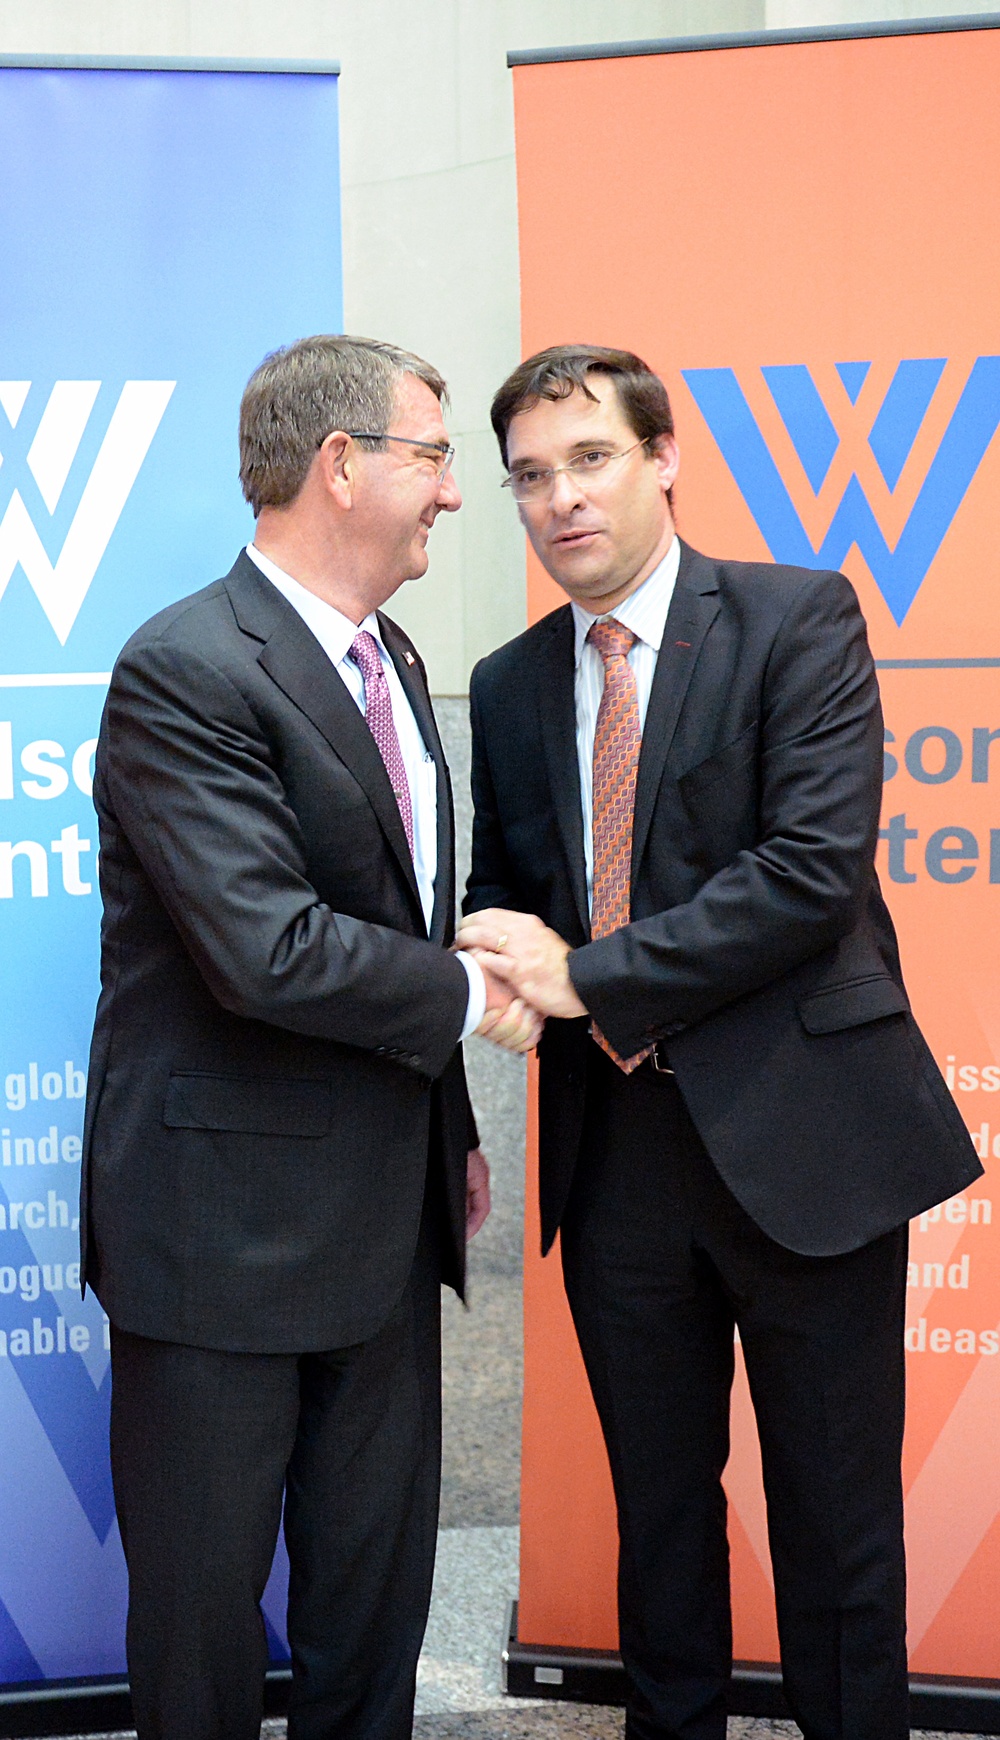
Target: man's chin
[[585, 589], [418, 566]]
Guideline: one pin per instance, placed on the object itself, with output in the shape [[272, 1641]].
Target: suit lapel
[[293, 658], [693, 608], [555, 692], [415, 688]]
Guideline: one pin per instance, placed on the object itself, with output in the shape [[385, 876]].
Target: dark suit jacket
[[274, 1057], [760, 953]]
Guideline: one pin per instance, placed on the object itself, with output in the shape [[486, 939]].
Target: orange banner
[[802, 238]]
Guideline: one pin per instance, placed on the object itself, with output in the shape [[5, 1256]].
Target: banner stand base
[[95, 1706], [594, 1676]]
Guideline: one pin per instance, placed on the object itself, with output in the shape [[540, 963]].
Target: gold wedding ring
[[501, 942]]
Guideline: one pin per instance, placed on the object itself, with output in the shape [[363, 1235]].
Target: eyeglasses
[[438, 452], [532, 482]]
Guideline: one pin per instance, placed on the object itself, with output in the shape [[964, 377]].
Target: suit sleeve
[[190, 777], [472, 1136], [800, 888], [492, 879]]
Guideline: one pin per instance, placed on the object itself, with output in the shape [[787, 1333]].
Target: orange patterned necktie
[[617, 741]]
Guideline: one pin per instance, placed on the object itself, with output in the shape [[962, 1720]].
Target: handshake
[[526, 972]]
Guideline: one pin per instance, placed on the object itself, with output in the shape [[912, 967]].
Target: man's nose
[[449, 496], [566, 493]]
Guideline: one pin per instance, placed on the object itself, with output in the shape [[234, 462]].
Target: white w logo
[[62, 586]]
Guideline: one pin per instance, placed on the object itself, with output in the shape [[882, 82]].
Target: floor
[[556, 1722]]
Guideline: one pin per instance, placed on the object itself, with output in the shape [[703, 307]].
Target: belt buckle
[[660, 1068]]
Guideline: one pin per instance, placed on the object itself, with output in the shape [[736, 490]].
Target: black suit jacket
[[274, 1057], [760, 953]]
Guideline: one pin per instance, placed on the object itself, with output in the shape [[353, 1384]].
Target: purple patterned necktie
[[378, 717]]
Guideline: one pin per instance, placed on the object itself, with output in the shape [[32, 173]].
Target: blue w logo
[[898, 572]]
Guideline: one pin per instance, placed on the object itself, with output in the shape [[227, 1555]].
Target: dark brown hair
[[563, 368]]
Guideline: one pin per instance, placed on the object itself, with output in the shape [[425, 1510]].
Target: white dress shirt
[[645, 613], [336, 634]]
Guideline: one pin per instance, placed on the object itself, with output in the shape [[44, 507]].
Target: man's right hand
[[508, 1022]]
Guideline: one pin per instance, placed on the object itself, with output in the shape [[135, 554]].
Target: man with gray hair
[[281, 1163]]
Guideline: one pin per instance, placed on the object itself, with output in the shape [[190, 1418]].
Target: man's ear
[[336, 463], [667, 459]]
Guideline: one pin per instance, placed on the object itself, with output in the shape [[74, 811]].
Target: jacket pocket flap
[[257, 1106], [851, 1005]]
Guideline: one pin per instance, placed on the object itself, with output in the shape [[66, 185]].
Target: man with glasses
[[677, 780], [281, 1164]]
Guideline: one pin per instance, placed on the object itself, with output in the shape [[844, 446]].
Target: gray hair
[[299, 394]]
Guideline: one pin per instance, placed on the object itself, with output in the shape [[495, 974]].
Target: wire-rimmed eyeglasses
[[532, 482], [438, 452]]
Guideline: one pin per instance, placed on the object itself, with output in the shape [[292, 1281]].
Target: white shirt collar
[[644, 611], [334, 631]]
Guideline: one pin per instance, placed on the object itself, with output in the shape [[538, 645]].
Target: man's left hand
[[518, 948], [477, 1192]]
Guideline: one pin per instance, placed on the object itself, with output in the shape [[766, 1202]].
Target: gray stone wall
[[429, 213], [482, 1365]]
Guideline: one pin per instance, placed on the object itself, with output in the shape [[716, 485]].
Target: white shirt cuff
[[477, 994]]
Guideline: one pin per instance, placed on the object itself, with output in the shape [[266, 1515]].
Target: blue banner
[[162, 230]]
